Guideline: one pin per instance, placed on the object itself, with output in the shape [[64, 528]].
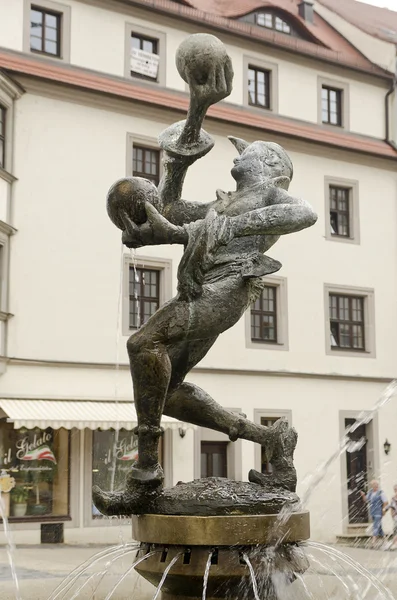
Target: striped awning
[[79, 414]]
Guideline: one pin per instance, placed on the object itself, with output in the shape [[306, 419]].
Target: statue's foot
[[142, 488], [285, 479], [274, 436]]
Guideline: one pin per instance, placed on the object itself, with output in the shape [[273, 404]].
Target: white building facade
[[85, 89]]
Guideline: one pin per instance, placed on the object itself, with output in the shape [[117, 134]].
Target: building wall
[[65, 229]]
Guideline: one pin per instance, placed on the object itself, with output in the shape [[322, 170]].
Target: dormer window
[[276, 20], [272, 21]]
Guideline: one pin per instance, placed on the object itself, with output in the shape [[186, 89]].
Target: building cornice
[[31, 362], [76, 77], [10, 87]]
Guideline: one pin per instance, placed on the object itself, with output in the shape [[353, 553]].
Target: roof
[[222, 15], [379, 22], [318, 32], [20, 64]]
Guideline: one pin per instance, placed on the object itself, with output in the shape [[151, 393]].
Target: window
[[272, 21], [145, 54], [147, 285], [341, 204], [331, 106], [144, 57], [2, 136], [258, 87], [214, 459], [45, 31], [339, 199], [144, 295], [264, 316], [38, 460], [266, 323], [146, 163], [347, 322]]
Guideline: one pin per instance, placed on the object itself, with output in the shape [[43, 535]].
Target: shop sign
[[38, 449], [28, 449], [144, 63]]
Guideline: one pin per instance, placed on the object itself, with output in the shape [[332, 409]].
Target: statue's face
[[258, 162]]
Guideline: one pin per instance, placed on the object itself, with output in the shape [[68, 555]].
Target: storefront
[[52, 452]]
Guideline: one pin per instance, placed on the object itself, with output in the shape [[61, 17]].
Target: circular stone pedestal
[[229, 539]]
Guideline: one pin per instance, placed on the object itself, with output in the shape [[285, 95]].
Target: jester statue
[[220, 275]]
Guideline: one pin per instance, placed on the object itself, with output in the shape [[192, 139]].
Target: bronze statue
[[220, 275]]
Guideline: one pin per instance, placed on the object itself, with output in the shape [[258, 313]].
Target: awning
[[79, 414]]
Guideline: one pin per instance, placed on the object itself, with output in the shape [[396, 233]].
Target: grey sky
[[392, 4]]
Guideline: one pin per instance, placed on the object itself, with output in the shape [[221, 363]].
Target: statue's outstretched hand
[[131, 235], [216, 87], [156, 230]]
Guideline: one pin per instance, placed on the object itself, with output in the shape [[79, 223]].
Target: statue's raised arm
[[204, 65]]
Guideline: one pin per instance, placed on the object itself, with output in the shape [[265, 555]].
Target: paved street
[[40, 569]]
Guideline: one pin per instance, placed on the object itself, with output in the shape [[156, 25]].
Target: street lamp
[[387, 447]]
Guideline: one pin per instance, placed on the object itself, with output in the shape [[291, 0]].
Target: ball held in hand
[[128, 196], [198, 55]]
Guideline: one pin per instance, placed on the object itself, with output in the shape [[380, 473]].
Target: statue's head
[[260, 161]]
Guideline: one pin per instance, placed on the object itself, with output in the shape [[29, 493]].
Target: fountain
[[214, 526]]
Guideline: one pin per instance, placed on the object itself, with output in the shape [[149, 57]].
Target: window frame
[[368, 295], [145, 142], [163, 265], [58, 16], [350, 323], [354, 213], [65, 13], [141, 297], [273, 26], [267, 87], [282, 343], [346, 192], [255, 62], [339, 106], [151, 34], [146, 149], [262, 313], [341, 86], [214, 444]]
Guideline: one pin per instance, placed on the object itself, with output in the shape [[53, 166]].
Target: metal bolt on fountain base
[[228, 540]]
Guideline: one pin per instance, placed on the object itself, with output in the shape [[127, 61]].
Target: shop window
[[39, 462], [113, 454]]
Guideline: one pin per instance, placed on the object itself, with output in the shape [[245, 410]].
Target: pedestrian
[[377, 501], [393, 508]]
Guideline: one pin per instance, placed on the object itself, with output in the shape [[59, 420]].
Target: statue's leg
[[192, 404], [151, 372]]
